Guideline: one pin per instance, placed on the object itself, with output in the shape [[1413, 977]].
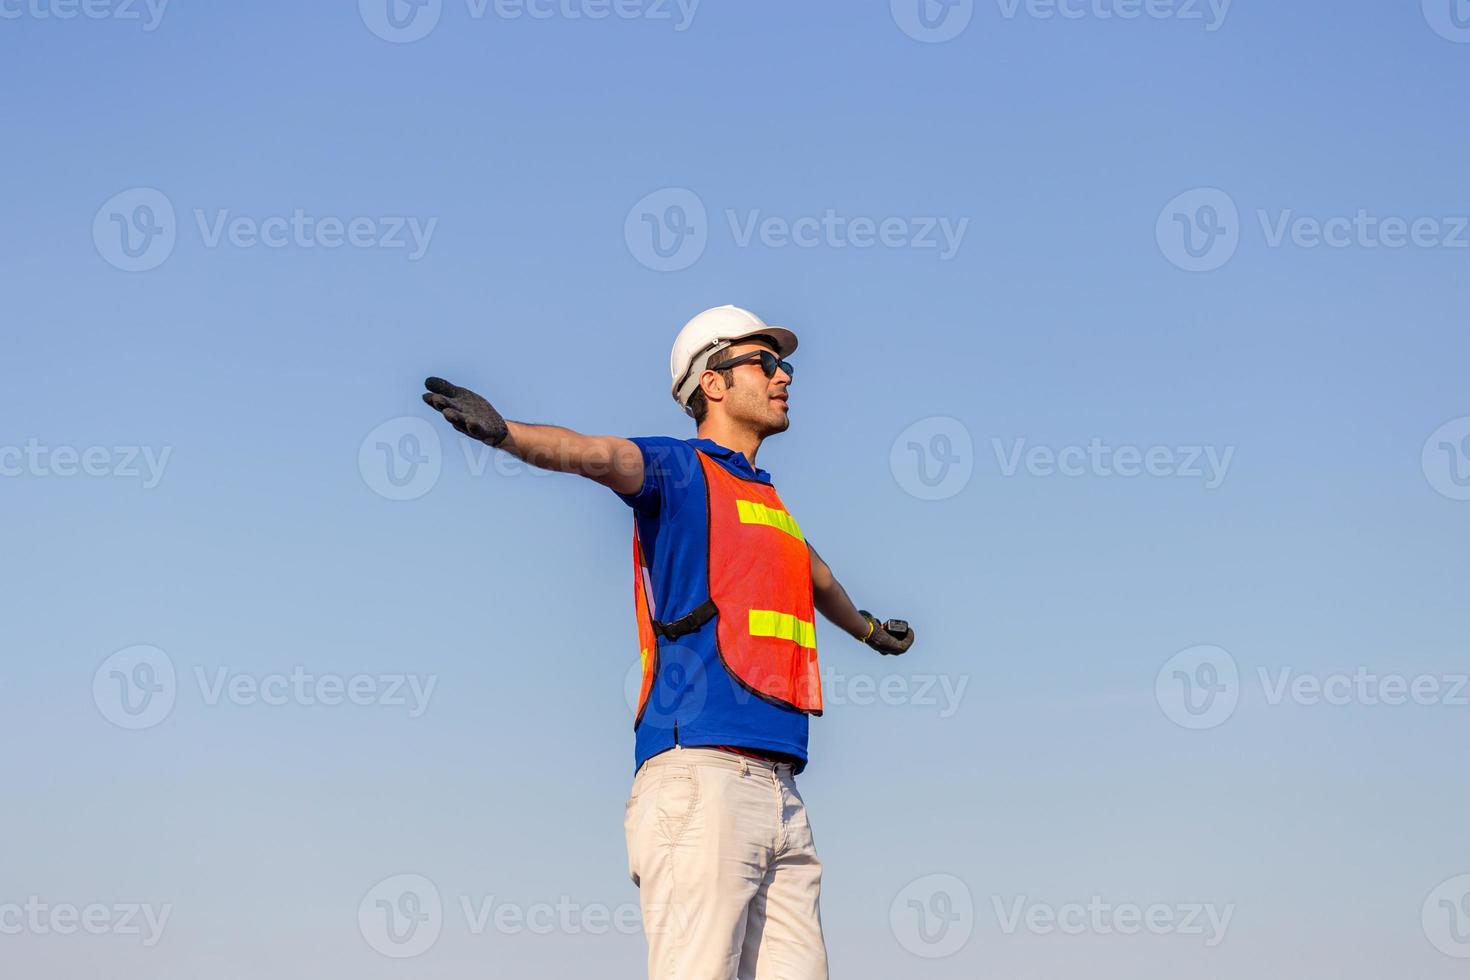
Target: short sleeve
[[664, 459]]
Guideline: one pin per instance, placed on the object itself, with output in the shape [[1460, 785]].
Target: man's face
[[754, 400]]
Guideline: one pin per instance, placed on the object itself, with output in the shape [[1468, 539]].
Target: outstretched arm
[[612, 461], [832, 601]]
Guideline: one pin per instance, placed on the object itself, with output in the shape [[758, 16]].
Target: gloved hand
[[891, 638], [466, 411]]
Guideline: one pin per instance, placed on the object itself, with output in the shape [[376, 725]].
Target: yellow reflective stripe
[[755, 512], [768, 622]]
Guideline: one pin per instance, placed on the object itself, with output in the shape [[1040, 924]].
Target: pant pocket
[[635, 812], [677, 801]]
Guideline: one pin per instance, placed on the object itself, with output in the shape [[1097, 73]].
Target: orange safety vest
[[760, 584]]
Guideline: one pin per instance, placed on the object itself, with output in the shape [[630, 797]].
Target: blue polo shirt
[[695, 700]]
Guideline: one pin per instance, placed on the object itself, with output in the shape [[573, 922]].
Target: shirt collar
[[736, 460]]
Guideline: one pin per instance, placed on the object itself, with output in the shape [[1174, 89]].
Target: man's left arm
[[831, 599]]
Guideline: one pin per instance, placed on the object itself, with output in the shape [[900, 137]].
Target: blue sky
[[1222, 249]]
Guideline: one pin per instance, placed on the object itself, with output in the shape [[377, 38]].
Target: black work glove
[[890, 638], [466, 411]]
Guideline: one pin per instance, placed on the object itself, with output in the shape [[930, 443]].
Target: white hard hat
[[721, 325]]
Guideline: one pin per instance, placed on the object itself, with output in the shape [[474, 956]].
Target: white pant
[[728, 876]]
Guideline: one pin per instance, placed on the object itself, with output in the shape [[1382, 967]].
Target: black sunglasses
[[769, 363]]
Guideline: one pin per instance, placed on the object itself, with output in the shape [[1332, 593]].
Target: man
[[725, 593]]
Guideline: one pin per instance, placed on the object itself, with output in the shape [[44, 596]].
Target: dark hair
[[698, 404]]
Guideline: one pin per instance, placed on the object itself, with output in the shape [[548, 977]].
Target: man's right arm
[[612, 461]]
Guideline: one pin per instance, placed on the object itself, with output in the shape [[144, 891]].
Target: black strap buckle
[[702, 614]]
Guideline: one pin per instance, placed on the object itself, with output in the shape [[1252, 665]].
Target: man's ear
[[713, 385]]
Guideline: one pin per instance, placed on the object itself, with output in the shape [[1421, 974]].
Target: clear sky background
[[1075, 759]]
